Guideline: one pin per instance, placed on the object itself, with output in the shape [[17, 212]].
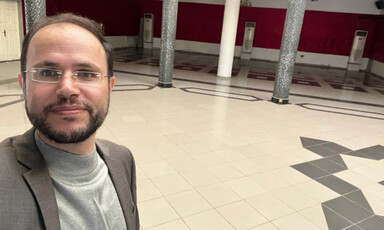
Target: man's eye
[[87, 75], [48, 73]]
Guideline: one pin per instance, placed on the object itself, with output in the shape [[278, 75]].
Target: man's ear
[[111, 83], [21, 81]]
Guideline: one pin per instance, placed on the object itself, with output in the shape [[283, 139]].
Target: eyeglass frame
[[74, 76]]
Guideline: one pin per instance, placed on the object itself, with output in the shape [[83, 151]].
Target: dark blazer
[[27, 197]]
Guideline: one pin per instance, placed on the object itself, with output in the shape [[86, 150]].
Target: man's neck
[[80, 148]]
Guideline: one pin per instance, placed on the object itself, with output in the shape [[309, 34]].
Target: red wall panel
[[119, 17], [323, 32], [377, 48]]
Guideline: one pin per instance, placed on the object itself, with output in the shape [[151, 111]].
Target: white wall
[[377, 68], [346, 6], [122, 41]]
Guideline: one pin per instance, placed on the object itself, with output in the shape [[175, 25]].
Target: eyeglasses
[[45, 75]]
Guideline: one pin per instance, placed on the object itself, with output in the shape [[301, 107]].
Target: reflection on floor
[[215, 153]]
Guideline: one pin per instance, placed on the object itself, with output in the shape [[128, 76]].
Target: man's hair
[[90, 25]]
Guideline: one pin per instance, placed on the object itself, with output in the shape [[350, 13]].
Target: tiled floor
[[216, 154]]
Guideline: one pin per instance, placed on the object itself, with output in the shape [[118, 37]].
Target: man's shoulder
[[7, 147], [112, 148], [8, 158]]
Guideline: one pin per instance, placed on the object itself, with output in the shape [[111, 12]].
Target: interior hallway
[[215, 153]]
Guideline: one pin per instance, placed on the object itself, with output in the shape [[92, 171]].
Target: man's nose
[[67, 86]]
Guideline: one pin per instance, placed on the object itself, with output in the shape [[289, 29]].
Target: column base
[[279, 100], [164, 85]]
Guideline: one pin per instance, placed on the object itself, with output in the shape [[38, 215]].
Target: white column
[[228, 37]]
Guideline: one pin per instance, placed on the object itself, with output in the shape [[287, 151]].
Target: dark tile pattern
[[306, 142], [216, 93], [310, 170], [348, 87], [334, 220], [372, 223], [359, 198], [351, 210], [322, 151], [336, 184], [328, 166], [152, 62], [235, 71], [305, 82], [132, 87], [348, 209], [310, 76]]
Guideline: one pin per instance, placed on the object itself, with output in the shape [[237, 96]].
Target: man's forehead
[[62, 29]]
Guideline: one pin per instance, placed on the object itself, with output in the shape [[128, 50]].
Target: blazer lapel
[[38, 179], [119, 179]]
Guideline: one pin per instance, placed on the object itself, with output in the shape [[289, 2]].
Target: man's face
[[66, 112]]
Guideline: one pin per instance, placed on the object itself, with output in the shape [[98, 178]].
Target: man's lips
[[67, 110]]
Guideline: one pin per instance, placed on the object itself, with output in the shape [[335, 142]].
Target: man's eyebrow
[[46, 64], [87, 65]]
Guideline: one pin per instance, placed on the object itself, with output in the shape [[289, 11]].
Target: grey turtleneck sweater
[[85, 194]]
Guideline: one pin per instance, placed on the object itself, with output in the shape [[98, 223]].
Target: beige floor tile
[[225, 172], [218, 194], [157, 169], [146, 191], [182, 164], [168, 151], [156, 212], [182, 138], [267, 226], [354, 178], [270, 206], [199, 177], [269, 181], [229, 155], [250, 151], [209, 220], [317, 191], [248, 167], [375, 202], [294, 221], [241, 215], [193, 148], [315, 215], [245, 187], [208, 159], [188, 203], [170, 184], [291, 175], [353, 162], [173, 225], [294, 198]]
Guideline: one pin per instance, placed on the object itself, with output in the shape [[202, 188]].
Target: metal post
[[34, 11], [291, 36], [168, 35]]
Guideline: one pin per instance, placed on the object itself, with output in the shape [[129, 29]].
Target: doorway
[[9, 31]]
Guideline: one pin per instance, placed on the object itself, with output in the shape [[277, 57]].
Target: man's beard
[[96, 119]]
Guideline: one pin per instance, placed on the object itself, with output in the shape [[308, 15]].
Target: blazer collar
[[119, 178], [38, 178]]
